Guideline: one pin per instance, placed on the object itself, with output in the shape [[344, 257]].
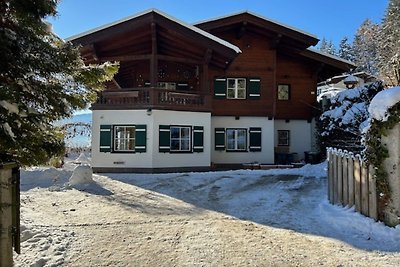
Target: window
[[124, 138], [283, 92], [180, 138], [236, 139], [167, 85], [283, 138], [236, 88]]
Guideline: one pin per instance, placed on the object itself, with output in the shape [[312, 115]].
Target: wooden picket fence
[[351, 182]]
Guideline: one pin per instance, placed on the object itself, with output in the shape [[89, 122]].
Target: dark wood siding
[[256, 60], [303, 83], [259, 59]]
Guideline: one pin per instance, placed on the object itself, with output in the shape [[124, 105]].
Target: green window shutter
[[220, 88], [164, 138], [254, 88], [198, 139], [219, 138], [105, 138], [182, 86], [140, 138], [255, 139]]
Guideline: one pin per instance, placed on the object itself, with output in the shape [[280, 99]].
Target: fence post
[[345, 181], [357, 184], [350, 172], [330, 176], [6, 254], [373, 200], [340, 177], [364, 189], [335, 180]]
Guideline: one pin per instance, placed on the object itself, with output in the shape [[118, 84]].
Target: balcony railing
[[144, 98]]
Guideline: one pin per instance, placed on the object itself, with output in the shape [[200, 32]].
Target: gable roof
[[263, 22], [80, 37]]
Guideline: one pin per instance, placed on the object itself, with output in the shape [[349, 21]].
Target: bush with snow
[[343, 124]]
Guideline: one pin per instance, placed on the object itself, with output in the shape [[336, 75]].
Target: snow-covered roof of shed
[[330, 56], [184, 24], [351, 79], [261, 17]]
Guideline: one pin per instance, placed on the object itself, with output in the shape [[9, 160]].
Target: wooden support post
[[153, 58], [345, 181], [357, 184], [204, 76]]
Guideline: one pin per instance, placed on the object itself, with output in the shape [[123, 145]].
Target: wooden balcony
[[154, 98]]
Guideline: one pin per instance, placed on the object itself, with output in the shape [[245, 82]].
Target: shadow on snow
[[281, 201]]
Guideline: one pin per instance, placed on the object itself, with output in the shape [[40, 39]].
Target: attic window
[[236, 88]]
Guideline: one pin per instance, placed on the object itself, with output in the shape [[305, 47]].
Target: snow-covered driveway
[[233, 218]]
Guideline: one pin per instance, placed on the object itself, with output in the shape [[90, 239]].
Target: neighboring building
[[227, 91], [336, 84]]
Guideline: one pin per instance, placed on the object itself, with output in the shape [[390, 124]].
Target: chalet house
[[231, 90]]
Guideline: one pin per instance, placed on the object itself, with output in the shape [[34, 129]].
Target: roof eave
[[76, 38], [309, 39]]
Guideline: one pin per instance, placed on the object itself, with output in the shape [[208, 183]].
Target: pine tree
[[327, 47], [345, 50], [389, 49], [365, 46], [42, 79]]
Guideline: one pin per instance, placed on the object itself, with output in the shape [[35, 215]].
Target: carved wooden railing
[[144, 98]]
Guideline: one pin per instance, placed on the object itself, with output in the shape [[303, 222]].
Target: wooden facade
[[276, 55], [228, 91], [165, 64]]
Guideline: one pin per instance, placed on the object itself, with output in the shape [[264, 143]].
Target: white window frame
[[235, 88], [287, 137], [236, 140], [122, 143], [180, 138]]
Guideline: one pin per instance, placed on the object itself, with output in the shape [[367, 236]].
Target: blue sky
[[331, 19]]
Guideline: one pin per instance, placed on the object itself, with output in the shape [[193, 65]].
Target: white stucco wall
[[152, 158], [301, 135], [266, 155], [392, 167], [201, 159], [130, 160]]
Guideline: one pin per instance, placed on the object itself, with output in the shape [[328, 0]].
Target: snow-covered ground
[[233, 218]]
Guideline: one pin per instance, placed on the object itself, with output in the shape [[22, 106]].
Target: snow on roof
[[330, 56], [261, 17], [382, 102], [350, 79], [184, 24]]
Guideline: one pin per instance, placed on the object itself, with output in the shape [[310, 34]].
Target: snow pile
[[46, 248], [382, 102], [44, 177], [81, 175]]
